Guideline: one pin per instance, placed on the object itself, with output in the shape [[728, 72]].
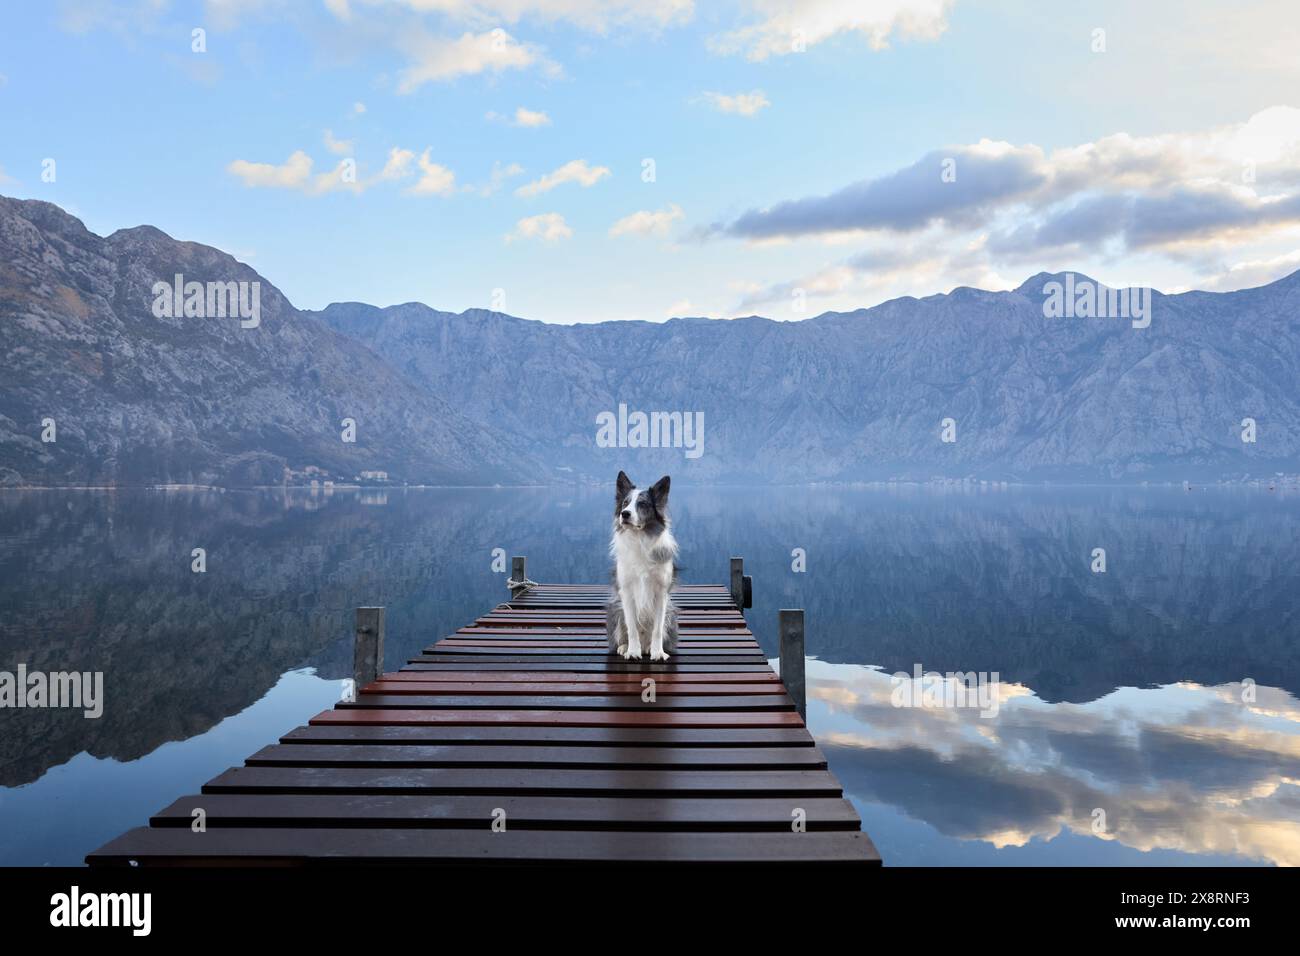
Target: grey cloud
[[903, 201], [1187, 213], [1142, 221]]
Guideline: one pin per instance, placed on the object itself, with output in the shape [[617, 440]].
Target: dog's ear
[[659, 491], [623, 485]]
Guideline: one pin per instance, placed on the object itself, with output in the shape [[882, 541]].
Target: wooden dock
[[520, 740]]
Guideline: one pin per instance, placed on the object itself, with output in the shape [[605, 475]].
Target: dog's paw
[[660, 655], [632, 652]]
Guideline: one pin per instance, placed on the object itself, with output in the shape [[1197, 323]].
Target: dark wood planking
[[683, 737], [652, 784], [508, 702], [370, 753], [532, 677], [586, 634], [634, 688], [561, 718], [440, 664], [479, 656], [600, 647], [578, 655], [527, 711], [595, 638], [521, 812], [278, 845]]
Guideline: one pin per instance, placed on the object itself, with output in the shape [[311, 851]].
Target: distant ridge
[[482, 397], [137, 399], [853, 396]]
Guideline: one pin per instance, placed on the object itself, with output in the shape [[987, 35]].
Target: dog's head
[[641, 509]]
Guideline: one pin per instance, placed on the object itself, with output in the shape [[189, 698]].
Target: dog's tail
[[615, 626], [670, 627], [670, 614]]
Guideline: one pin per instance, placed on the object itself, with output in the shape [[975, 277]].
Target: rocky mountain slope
[[136, 398], [483, 397], [863, 395]]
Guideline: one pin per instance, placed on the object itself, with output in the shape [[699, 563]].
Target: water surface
[[1161, 693]]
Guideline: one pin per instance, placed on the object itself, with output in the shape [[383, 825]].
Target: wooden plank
[[562, 718], [611, 667], [599, 677], [351, 845], [577, 655], [521, 812], [656, 783], [475, 688], [370, 753], [523, 701], [679, 737], [598, 646], [523, 630], [509, 703]]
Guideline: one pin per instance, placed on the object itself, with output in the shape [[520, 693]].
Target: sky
[[592, 160]]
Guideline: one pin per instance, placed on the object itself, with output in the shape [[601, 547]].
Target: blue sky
[[1165, 152]]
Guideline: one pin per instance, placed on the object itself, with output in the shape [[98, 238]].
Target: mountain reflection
[[1195, 769], [1199, 594]]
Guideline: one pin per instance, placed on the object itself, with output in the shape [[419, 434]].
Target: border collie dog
[[640, 617]]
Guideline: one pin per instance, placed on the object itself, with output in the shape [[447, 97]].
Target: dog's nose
[[627, 516]]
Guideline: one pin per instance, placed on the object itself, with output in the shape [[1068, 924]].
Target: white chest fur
[[644, 565]]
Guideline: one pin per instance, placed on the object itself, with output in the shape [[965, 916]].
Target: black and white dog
[[640, 616]]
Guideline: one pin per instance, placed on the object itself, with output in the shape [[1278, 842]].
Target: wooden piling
[[518, 575], [792, 657], [368, 648]]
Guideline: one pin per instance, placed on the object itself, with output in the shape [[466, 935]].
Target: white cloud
[[526, 118], [745, 104], [647, 223], [398, 164], [596, 16], [438, 59], [293, 173], [339, 147], [782, 25], [296, 173], [575, 171], [1140, 192], [500, 174], [435, 180], [5, 178], [679, 308], [531, 118], [1218, 207], [358, 108], [549, 226], [1251, 273]]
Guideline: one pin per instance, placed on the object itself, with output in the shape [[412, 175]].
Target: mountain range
[[968, 384]]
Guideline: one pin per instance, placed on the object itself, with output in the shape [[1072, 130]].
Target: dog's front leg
[[657, 652], [630, 613]]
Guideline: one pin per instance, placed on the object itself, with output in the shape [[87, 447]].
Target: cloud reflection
[[1200, 770]]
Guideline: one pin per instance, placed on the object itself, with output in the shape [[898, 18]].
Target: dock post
[[518, 575], [368, 649], [738, 581], [790, 624]]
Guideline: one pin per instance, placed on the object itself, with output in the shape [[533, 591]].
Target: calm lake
[[1146, 715]]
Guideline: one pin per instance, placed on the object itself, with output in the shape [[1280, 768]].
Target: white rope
[[525, 583]]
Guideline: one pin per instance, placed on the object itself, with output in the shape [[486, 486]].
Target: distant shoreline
[[1285, 482]]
